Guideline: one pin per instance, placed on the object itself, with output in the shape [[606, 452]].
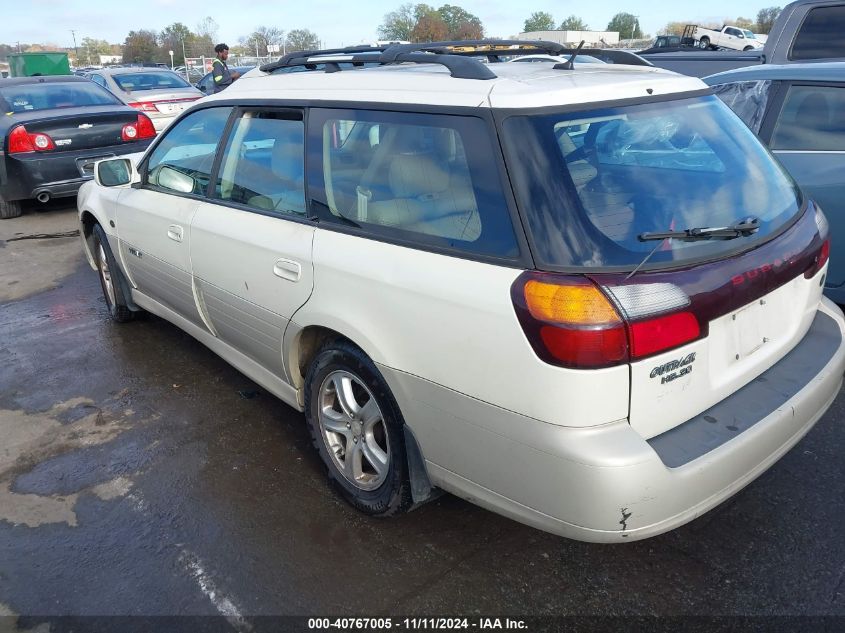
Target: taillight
[[819, 261], [574, 322], [143, 128], [21, 141], [146, 129], [129, 132], [569, 321], [144, 106]]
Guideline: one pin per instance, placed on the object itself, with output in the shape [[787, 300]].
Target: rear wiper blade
[[743, 228]]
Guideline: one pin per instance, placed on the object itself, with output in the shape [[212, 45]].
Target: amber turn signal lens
[[569, 304]]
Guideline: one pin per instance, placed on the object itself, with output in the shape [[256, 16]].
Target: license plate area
[[170, 108], [747, 330], [86, 165]]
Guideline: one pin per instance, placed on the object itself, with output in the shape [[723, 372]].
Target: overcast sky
[[336, 22]]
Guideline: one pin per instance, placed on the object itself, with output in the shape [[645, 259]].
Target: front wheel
[[704, 43], [111, 279], [358, 430], [748, 48]]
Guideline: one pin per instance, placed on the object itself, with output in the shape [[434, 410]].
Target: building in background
[[592, 39]]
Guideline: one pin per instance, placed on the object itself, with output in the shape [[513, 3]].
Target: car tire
[[748, 48], [111, 278], [10, 209], [704, 43], [357, 429]]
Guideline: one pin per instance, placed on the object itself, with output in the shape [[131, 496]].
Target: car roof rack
[[457, 56]]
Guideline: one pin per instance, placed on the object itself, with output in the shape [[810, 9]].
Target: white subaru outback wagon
[[584, 297]]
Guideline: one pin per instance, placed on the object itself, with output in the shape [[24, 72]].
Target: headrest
[[412, 175], [288, 157]]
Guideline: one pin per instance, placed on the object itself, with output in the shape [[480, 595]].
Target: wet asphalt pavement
[[140, 474]]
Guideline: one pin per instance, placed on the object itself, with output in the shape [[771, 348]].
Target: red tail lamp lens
[[146, 129], [662, 333], [572, 322], [21, 141]]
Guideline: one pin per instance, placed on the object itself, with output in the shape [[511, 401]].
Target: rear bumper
[[60, 174], [608, 484]]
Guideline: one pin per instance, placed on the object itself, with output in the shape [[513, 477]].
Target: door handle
[[287, 269], [174, 232]]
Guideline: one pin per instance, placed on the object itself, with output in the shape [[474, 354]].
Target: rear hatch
[[669, 241]]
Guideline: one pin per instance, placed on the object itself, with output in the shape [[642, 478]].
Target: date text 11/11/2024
[[416, 624]]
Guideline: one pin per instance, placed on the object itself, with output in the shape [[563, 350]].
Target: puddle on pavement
[[31, 439]]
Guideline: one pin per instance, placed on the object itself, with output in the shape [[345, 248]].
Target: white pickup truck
[[731, 37]]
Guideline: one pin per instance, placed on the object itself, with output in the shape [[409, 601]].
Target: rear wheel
[[704, 42], [10, 209], [357, 428], [111, 279]]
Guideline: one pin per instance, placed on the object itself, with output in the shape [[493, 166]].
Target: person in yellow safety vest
[[223, 77]]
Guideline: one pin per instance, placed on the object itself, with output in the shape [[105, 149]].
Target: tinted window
[[820, 36], [188, 147], [46, 96], [747, 99], [425, 178], [98, 80], [812, 118], [590, 184], [132, 82], [263, 166]]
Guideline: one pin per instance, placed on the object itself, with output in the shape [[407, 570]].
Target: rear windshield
[[47, 96], [592, 183], [132, 82]]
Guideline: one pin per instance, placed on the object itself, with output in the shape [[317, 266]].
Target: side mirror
[[115, 172], [175, 180]]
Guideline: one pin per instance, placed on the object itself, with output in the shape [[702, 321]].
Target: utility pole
[[633, 26], [185, 61], [75, 49]]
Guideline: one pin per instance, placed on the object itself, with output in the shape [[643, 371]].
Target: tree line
[[147, 45], [409, 22]]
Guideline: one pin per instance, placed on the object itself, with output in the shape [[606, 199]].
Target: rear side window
[[50, 95], [812, 118], [820, 36], [429, 179], [182, 160], [747, 99], [263, 165]]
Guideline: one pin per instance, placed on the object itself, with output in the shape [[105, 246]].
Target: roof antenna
[[569, 64]]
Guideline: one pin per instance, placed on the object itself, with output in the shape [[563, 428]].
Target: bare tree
[[398, 24], [262, 37], [766, 19], [302, 40]]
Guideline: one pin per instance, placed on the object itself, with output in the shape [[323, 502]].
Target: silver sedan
[[159, 93]]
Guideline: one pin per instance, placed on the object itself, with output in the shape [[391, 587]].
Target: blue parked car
[[798, 110]]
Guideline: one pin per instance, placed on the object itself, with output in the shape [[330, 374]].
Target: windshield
[[132, 82], [748, 34], [50, 95], [591, 183]]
